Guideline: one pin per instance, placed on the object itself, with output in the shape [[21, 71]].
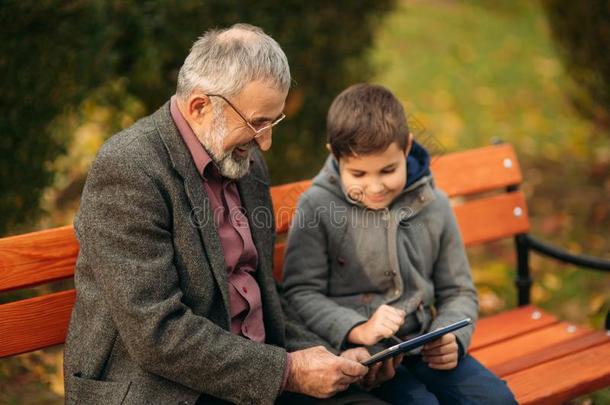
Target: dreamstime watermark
[[431, 143], [332, 215], [338, 215]]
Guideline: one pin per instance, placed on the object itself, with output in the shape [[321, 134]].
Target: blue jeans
[[468, 383]]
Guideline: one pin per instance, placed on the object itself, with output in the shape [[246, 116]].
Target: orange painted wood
[[35, 323], [38, 257], [278, 261], [558, 380], [285, 198], [527, 346], [492, 218], [509, 324], [545, 352], [477, 170]]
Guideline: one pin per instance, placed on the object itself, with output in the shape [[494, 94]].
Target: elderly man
[[176, 302]]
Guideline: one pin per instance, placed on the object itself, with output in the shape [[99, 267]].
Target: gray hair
[[224, 61]]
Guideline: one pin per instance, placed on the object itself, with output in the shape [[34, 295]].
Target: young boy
[[375, 252]]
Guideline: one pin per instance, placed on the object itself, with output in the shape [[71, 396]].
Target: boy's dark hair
[[363, 119]]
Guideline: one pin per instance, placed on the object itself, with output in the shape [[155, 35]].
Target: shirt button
[[245, 290]]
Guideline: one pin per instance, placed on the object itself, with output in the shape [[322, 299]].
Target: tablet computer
[[415, 342]]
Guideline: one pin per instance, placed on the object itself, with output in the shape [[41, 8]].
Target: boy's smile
[[375, 179]]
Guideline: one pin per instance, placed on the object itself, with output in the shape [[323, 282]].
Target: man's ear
[[197, 107]]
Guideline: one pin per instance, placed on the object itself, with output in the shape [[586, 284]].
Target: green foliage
[[582, 31], [54, 55], [45, 63]]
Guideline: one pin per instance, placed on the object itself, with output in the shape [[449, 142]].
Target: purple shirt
[[238, 247]]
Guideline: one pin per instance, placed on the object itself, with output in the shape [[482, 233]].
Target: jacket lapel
[[201, 213]]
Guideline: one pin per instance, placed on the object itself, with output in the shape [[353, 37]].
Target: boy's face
[[376, 179]]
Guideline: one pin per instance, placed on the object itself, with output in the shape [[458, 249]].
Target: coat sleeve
[[306, 275], [455, 293], [124, 230], [298, 336]]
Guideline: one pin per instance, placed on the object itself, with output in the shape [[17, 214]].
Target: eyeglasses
[[258, 129]]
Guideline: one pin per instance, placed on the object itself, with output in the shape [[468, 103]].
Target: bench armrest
[[549, 250], [525, 243]]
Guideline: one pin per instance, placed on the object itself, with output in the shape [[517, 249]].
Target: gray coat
[[343, 260], [151, 320]]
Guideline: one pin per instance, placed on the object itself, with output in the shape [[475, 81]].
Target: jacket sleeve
[[298, 336], [306, 276], [124, 230], [455, 293]]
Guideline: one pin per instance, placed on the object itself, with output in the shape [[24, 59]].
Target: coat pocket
[[80, 390]]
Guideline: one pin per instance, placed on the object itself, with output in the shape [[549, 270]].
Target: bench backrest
[[482, 183]]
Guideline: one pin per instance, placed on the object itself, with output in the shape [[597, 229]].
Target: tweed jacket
[[151, 321]]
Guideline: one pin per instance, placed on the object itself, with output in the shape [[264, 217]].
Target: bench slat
[[35, 323], [498, 328], [36, 258], [278, 260], [545, 353], [285, 198], [558, 380], [527, 345], [457, 174], [477, 170], [492, 218], [46, 256]]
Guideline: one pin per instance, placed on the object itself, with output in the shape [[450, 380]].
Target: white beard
[[227, 165]]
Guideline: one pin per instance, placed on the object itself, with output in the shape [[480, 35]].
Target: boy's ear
[[409, 143]]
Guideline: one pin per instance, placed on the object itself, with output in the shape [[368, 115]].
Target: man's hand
[[441, 354], [379, 372], [384, 323], [319, 373]]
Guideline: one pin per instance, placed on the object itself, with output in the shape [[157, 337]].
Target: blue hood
[[418, 164]]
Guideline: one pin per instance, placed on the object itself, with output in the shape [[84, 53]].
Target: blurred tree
[[48, 60], [54, 54], [582, 31]]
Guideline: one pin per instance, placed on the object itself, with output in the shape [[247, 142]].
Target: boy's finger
[[445, 339], [398, 360], [443, 349], [442, 359], [446, 366], [397, 318], [392, 326]]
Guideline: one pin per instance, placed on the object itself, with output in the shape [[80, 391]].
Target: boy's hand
[[441, 354], [384, 323]]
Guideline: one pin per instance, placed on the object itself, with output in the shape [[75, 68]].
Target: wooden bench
[[543, 359]]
